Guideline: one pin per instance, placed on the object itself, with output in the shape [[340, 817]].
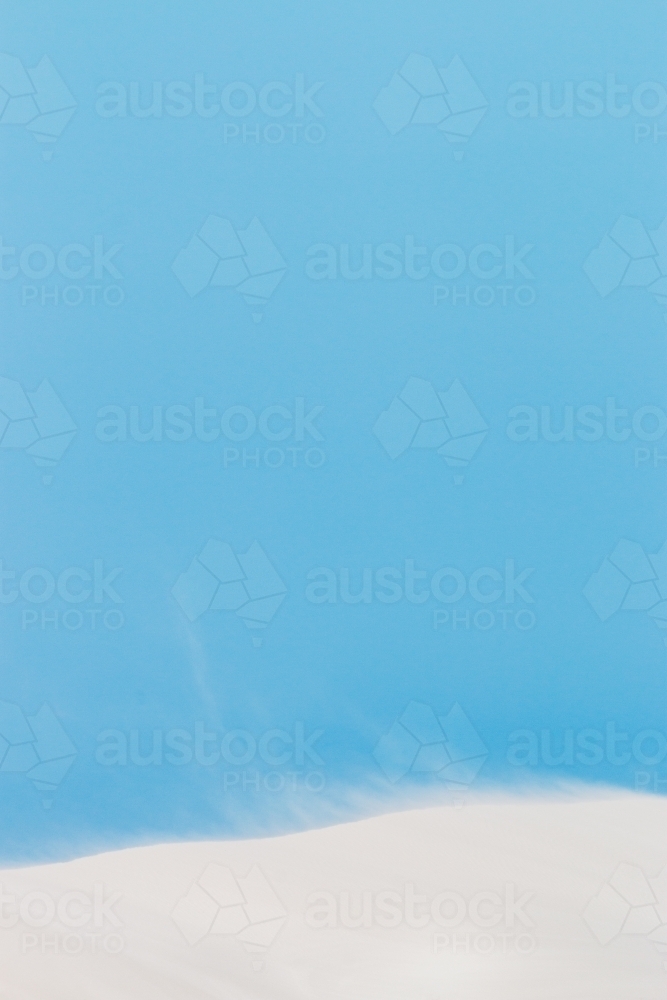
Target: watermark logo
[[630, 903], [219, 903], [630, 257], [248, 762], [218, 580], [467, 919], [447, 422], [247, 261], [420, 94], [273, 424], [590, 423], [37, 98], [591, 99], [447, 585], [76, 262], [78, 922], [72, 585], [35, 745], [420, 742], [35, 422], [630, 580], [276, 112], [590, 747], [478, 266]]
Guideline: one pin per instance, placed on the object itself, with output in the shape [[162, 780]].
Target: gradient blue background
[[349, 346]]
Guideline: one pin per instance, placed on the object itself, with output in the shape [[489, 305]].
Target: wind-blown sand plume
[[503, 898]]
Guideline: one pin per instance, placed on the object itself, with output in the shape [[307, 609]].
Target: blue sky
[[322, 493]]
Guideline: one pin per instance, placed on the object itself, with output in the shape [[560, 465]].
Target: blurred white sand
[[548, 856]]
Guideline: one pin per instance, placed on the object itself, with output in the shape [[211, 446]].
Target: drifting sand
[[527, 907]]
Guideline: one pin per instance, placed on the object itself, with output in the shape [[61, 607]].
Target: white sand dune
[[491, 900]]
